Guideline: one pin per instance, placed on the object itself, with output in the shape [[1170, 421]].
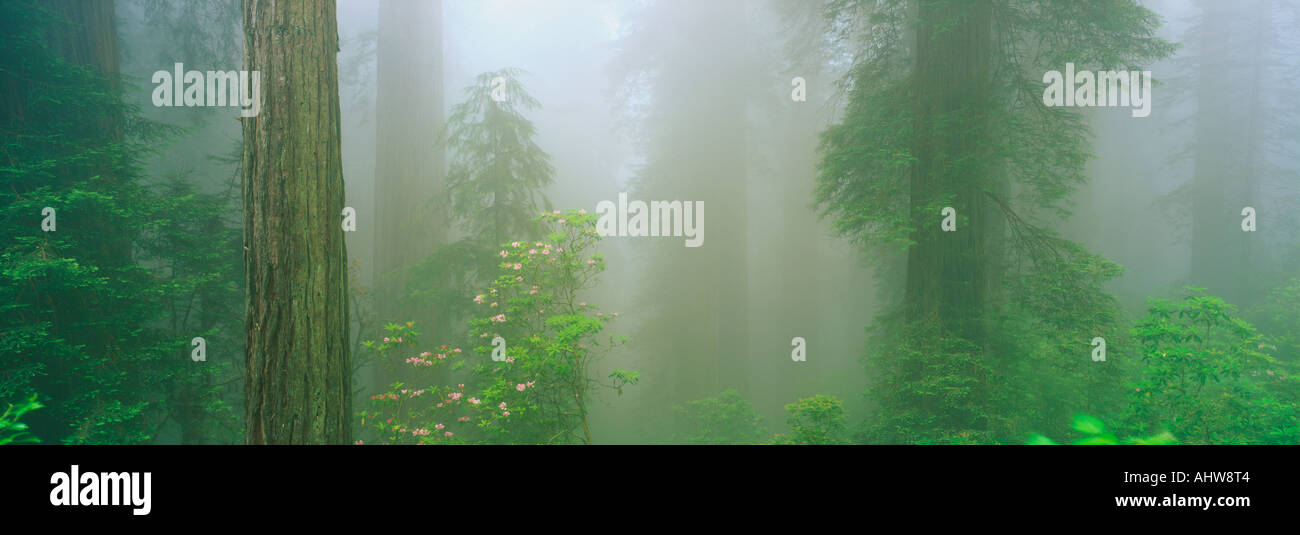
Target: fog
[[681, 100]]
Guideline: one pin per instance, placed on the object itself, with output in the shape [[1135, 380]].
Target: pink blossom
[[514, 244], [463, 419], [385, 339], [478, 299], [449, 434], [425, 354], [359, 442], [502, 405], [532, 251], [504, 254], [520, 387], [591, 262], [493, 305], [439, 427], [475, 401], [546, 251], [517, 266], [506, 413], [456, 396], [457, 350], [582, 304]]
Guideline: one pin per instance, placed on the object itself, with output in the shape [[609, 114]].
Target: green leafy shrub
[[727, 418], [1095, 434], [1207, 378], [819, 419], [13, 431]]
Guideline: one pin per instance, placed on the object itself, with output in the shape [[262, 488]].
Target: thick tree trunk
[[946, 279], [734, 366], [1213, 220], [409, 157], [297, 388]]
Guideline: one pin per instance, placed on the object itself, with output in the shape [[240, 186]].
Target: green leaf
[[1089, 425]]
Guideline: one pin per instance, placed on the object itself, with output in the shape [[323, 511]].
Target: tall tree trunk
[[1212, 217], [85, 35], [409, 154], [297, 356], [946, 270], [730, 197]]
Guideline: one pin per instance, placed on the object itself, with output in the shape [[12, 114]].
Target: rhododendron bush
[[527, 370]]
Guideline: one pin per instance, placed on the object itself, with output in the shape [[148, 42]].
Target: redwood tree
[[298, 364]]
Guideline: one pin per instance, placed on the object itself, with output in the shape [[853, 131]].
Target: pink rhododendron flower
[[520, 387], [517, 266], [439, 427], [504, 254], [475, 401], [506, 413], [502, 405]]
